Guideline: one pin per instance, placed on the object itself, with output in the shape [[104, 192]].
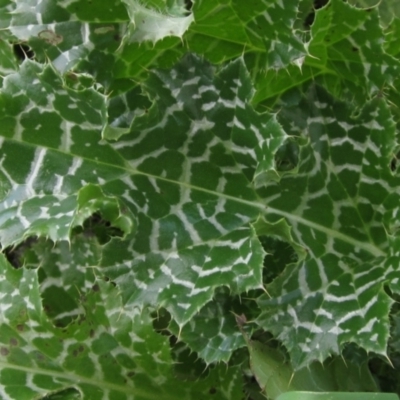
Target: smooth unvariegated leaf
[[276, 376]]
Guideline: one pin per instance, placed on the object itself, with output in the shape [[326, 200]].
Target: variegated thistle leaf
[[343, 208], [358, 59], [263, 29], [93, 37], [66, 273], [180, 186], [197, 157], [115, 41], [213, 332], [50, 148], [346, 54], [111, 353]]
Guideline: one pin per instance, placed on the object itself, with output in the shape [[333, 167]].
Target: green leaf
[[93, 37], [276, 376], [227, 29], [65, 274], [8, 62], [346, 47], [187, 205], [213, 333], [122, 110], [110, 352], [153, 25], [160, 191], [186, 137], [340, 206], [40, 192], [387, 9]]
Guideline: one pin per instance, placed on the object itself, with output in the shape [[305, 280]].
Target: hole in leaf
[[287, 156], [16, 256], [161, 320], [188, 5], [99, 227], [188, 365], [394, 162], [311, 15], [386, 376], [23, 51], [66, 394], [107, 279], [279, 255], [95, 287]]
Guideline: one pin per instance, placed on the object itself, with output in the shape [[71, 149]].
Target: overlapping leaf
[[111, 353], [91, 36], [42, 119], [387, 9], [346, 48], [66, 274], [342, 206], [180, 186], [115, 41], [195, 235], [276, 376], [183, 182], [213, 333], [261, 27]]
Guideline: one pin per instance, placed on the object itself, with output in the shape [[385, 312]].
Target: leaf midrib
[[77, 379], [369, 247], [260, 205]]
